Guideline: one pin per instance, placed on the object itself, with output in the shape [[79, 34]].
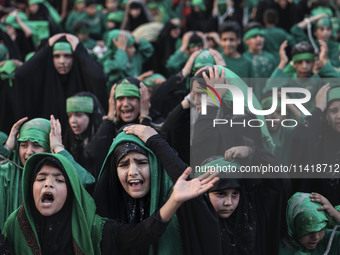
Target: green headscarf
[[36, 130], [160, 188], [127, 89], [79, 104], [303, 218], [333, 94], [12, 21], [199, 3], [53, 13], [87, 227]]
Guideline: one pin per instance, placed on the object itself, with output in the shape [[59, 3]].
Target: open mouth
[[47, 198], [136, 184]]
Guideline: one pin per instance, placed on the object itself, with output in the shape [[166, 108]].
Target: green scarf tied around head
[[79, 104], [87, 227], [252, 33], [113, 34], [234, 79], [160, 189], [115, 16], [203, 59], [303, 218], [333, 94], [127, 89], [35, 130], [11, 20], [62, 46]]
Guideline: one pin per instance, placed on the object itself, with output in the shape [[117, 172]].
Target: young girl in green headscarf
[[36, 135], [59, 217], [308, 219]]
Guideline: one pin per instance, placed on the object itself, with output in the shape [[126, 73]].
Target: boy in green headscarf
[[36, 135], [59, 216], [322, 30], [308, 217]]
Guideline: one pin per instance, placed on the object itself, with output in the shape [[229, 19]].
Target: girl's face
[[311, 240], [27, 149], [134, 174], [78, 122], [323, 33], [49, 190], [225, 201], [135, 12]]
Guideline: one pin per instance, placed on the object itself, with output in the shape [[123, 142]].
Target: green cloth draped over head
[[160, 189], [7, 71], [36, 130], [79, 104], [127, 89], [199, 3], [12, 21], [303, 218], [113, 34], [333, 94], [203, 59], [62, 46], [326, 21], [234, 79], [87, 227], [116, 16], [150, 81]]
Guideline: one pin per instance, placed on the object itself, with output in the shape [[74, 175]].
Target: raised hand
[[112, 114], [56, 143], [326, 206], [144, 100], [73, 40], [321, 97], [13, 135], [215, 78], [238, 152], [55, 38], [143, 132], [188, 65]]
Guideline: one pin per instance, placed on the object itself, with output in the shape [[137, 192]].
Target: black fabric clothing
[[211, 141], [176, 131], [131, 236], [200, 21], [41, 91], [8, 105], [197, 217], [316, 143], [169, 94], [13, 50]]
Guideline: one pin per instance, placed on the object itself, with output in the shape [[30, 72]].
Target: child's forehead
[[50, 170]]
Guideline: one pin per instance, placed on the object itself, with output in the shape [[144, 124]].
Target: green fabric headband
[[267, 102], [303, 217], [321, 10], [195, 44], [62, 46], [36, 130], [303, 56], [333, 94], [11, 20], [252, 33], [324, 22], [127, 89], [203, 59], [79, 104], [79, 1], [35, 1]]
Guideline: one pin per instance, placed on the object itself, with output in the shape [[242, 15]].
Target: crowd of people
[[108, 113]]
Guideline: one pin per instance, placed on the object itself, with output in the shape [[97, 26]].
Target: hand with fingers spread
[[144, 101], [73, 40], [219, 60], [326, 206], [185, 190], [56, 143], [142, 131], [55, 38], [323, 56], [212, 78], [321, 97], [238, 152], [283, 55], [13, 135], [122, 41]]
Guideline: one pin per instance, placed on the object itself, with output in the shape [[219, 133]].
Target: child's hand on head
[[326, 206], [13, 135]]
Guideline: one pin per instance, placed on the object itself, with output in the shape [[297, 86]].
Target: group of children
[[100, 123]]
